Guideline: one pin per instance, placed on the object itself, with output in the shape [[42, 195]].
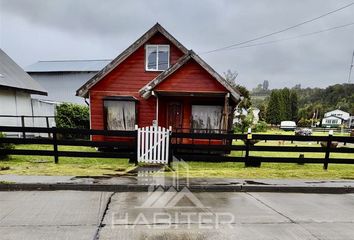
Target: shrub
[[261, 126], [304, 122], [5, 146], [71, 115], [244, 123]]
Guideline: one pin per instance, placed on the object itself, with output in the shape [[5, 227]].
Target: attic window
[[157, 57]]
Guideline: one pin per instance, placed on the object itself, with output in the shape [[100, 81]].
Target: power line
[[295, 37], [279, 31]]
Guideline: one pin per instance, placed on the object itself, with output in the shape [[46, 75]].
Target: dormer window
[[157, 57]]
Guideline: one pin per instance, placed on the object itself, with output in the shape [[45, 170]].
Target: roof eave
[[30, 91]]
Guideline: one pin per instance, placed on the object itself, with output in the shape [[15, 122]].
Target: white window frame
[[157, 57]]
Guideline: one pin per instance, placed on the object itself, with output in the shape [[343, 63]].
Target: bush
[[304, 122], [261, 126], [244, 123], [5, 146], [71, 115]]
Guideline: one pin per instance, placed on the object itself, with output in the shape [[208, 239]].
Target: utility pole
[[351, 68]]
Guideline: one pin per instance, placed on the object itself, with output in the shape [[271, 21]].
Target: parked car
[[288, 125], [303, 132]]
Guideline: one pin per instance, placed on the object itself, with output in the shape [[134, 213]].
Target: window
[[206, 117], [157, 57], [120, 115]]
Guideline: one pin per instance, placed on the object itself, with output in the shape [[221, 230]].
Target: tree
[[294, 106], [262, 112], [273, 108], [231, 76], [285, 104]]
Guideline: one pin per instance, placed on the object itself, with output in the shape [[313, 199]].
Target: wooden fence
[[208, 147], [127, 148], [189, 141]]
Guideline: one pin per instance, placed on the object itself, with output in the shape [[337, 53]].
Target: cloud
[[41, 29]]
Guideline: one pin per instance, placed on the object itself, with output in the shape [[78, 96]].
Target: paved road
[[169, 215]]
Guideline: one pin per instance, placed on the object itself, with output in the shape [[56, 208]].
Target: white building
[[338, 113], [16, 87], [335, 118], [62, 78]]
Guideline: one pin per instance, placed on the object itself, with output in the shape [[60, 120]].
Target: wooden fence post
[[23, 126], [328, 149], [55, 145], [247, 150], [47, 122], [249, 137], [134, 158], [170, 149]]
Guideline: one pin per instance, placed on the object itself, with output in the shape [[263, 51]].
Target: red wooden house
[[158, 81]]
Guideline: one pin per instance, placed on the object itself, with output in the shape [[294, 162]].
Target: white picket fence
[[153, 144]]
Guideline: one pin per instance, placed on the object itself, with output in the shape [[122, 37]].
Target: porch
[[194, 112]]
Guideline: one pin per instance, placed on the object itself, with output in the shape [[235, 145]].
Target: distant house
[[351, 122], [335, 118], [62, 78], [338, 113], [16, 87], [158, 81]]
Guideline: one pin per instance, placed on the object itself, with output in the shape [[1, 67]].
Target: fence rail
[[127, 148], [189, 146]]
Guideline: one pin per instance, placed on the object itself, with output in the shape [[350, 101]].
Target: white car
[[288, 125]]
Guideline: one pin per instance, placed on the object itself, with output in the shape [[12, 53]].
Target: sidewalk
[[141, 183], [78, 215]]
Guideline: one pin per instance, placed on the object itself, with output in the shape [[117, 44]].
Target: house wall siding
[[191, 78], [15, 103], [61, 86]]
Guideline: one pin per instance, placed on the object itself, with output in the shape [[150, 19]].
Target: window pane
[[120, 115], [206, 117], [163, 57], [151, 52]]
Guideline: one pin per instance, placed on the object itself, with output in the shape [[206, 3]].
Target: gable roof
[[83, 90], [68, 66], [333, 116], [13, 76], [336, 111], [145, 91]]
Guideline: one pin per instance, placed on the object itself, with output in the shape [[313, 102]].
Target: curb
[[193, 188]]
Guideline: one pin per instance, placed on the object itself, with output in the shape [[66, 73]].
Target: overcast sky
[[32, 30]]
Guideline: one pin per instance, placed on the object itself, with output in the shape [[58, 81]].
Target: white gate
[[153, 144]]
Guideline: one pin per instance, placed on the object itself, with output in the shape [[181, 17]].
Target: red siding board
[[191, 78]]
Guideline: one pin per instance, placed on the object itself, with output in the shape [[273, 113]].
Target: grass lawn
[[44, 165], [39, 165], [267, 170]]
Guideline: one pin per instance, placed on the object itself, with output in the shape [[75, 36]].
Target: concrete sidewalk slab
[[310, 207], [331, 231], [55, 208], [47, 233], [128, 207], [287, 231]]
